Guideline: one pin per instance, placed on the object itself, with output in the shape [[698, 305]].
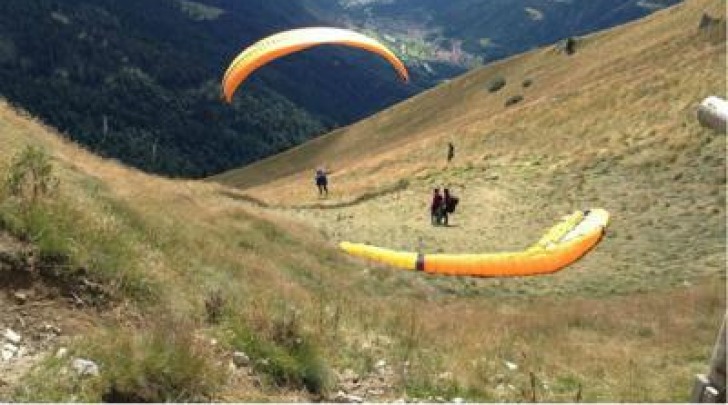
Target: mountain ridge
[[139, 81], [466, 34]]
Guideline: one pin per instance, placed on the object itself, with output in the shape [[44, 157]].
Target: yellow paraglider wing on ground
[[561, 246], [287, 42]]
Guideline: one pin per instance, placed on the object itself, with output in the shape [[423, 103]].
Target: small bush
[[163, 364], [714, 28], [280, 350], [496, 84], [570, 45], [43, 228], [51, 381], [214, 306], [30, 176], [25, 207], [514, 100], [527, 83], [28, 183]]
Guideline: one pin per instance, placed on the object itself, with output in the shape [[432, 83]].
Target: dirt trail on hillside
[[401, 220]]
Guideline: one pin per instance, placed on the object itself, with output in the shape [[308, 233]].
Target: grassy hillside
[[611, 126], [160, 281], [462, 32]]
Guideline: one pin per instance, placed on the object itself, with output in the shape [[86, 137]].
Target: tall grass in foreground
[[34, 208], [164, 363], [599, 349], [280, 350]]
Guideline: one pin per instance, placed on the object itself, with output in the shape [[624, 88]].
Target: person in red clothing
[[436, 207]]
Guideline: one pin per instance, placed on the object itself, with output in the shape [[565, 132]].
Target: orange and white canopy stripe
[[287, 42]]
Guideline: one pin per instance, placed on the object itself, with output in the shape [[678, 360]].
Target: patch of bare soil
[[43, 305]]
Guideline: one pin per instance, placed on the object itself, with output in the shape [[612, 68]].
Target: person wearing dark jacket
[[447, 202], [322, 182], [436, 207]]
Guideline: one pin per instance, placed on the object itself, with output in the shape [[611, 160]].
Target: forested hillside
[[139, 80], [447, 34]]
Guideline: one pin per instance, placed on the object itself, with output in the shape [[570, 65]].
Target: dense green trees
[[138, 80]]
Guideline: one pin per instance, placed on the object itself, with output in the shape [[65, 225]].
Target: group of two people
[[442, 205]]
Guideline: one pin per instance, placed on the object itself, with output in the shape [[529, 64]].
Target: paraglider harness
[[451, 203]]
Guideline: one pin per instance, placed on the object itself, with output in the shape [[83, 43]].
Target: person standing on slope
[[436, 207], [322, 182], [447, 204]]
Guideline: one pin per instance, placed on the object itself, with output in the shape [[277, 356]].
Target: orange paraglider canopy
[[561, 246], [287, 42]]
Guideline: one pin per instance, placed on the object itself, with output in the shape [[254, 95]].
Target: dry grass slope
[[611, 126]]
